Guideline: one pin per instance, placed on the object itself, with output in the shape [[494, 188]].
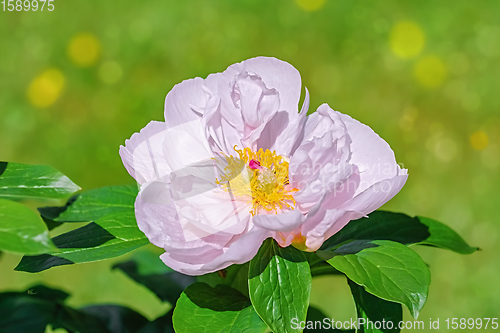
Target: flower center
[[261, 177]]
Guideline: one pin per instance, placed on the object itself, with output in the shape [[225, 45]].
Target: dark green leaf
[[375, 312], [444, 237], [28, 312], [3, 167], [316, 323], [161, 324], [202, 308], [323, 268], [167, 285], [24, 313], [39, 306], [77, 321], [51, 224], [109, 237], [22, 230], [386, 269], [18, 181], [35, 264], [91, 205], [116, 318], [235, 276], [41, 291], [280, 285], [401, 228]]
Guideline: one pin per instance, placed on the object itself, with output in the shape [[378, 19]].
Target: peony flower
[[236, 162]]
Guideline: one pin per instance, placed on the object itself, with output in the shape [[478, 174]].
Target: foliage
[[270, 292]]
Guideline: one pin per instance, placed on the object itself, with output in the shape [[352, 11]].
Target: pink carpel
[[253, 164]]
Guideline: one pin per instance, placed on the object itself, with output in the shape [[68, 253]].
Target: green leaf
[[375, 310], [39, 306], [19, 181], [401, 228], [314, 316], [24, 313], [202, 308], [156, 276], [386, 269], [116, 318], [161, 324], [324, 268], [27, 312], [50, 294], [109, 237], [444, 237], [280, 285], [22, 230], [235, 276], [91, 205]]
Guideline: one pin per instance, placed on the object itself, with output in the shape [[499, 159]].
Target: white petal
[[324, 222], [241, 250], [279, 75], [279, 222], [370, 153], [142, 154], [182, 100], [186, 144]]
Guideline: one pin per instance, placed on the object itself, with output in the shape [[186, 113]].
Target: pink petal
[[373, 156], [323, 223], [182, 101], [142, 154], [279, 222], [241, 250], [279, 75], [186, 144], [157, 217]]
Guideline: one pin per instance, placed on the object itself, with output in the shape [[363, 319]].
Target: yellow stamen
[[266, 188]]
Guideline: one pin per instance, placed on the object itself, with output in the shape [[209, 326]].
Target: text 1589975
[[27, 5]]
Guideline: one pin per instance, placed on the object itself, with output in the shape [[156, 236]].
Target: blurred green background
[[425, 75]]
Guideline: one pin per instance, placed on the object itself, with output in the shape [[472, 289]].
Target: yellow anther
[[266, 188]]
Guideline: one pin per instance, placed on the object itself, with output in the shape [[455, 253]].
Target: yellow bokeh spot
[[407, 39], [430, 72], [84, 49], [479, 140], [310, 5], [46, 88]]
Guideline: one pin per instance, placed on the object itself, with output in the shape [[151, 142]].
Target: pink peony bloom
[[236, 162]]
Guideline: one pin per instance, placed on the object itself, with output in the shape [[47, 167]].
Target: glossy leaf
[[91, 205], [375, 310], [202, 308], [444, 237], [279, 285], [397, 227], [19, 181], [151, 272], [109, 237], [22, 230], [386, 269]]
